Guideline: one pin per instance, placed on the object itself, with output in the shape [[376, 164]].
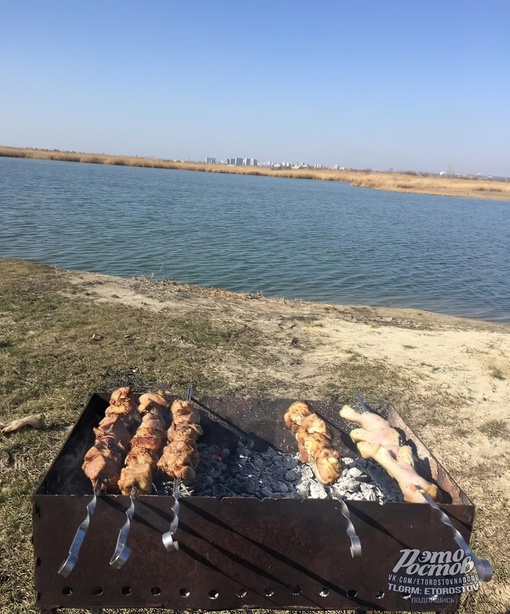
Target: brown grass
[[394, 182], [60, 340]]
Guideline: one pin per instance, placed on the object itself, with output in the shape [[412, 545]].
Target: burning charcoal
[[215, 470], [317, 491], [355, 472], [349, 483], [367, 492], [266, 491], [281, 487], [242, 472], [291, 476], [249, 468], [219, 490], [303, 489]]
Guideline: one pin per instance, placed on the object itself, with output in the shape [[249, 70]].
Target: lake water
[[312, 240]]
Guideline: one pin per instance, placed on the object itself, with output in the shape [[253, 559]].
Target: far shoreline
[[408, 182]]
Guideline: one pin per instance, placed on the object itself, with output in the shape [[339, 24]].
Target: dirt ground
[[449, 377]]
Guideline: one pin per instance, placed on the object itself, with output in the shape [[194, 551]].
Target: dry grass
[[395, 182], [60, 341]]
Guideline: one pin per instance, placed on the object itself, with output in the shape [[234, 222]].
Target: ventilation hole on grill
[[156, 591], [67, 590], [296, 590], [127, 590], [379, 595], [241, 593], [269, 592], [184, 592], [97, 590], [352, 593], [324, 592], [213, 594]]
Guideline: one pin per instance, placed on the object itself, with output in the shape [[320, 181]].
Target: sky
[[393, 85]]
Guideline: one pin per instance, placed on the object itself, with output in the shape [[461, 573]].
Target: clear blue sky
[[366, 84]]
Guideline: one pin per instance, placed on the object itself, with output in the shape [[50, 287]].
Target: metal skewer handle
[[483, 566], [68, 565], [366, 409], [168, 538], [355, 548], [122, 551]]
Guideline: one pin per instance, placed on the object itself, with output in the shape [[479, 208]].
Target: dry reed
[[394, 182]]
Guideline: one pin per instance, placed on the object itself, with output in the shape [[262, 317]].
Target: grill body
[[239, 552]]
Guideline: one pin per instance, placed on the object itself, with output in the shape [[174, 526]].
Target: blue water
[[312, 240]]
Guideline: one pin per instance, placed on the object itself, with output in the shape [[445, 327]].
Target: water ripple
[[320, 241]]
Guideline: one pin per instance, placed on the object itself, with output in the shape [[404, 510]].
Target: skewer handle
[[122, 551], [168, 538], [366, 409], [483, 566], [68, 565], [355, 548]]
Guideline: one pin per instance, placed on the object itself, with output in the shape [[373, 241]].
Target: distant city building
[[242, 162], [210, 160]]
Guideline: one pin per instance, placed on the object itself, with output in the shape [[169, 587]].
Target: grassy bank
[[395, 182], [64, 335]]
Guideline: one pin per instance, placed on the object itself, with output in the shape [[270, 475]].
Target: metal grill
[[238, 552]]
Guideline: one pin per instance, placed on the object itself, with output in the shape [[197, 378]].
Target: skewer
[[355, 548], [68, 565], [168, 538], [122, 551], [366, 409], [483, 566]]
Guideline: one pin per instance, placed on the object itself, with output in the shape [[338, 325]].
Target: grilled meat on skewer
[[103, 461], [314, 442], [146, 445], [180, 457], [183, 411]]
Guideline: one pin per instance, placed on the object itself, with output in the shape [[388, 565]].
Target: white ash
[[243, 472]]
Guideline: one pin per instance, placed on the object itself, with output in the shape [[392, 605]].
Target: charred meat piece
[[122, 404], [314, 442], [179, 460], [114, 426], [152, 425], [138, 477], [103, 462], [153, 402], [295, 415], [184, 431], [183, 411]]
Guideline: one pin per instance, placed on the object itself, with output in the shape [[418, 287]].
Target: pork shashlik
[[146, 446], [180, 457], [103, 461]]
